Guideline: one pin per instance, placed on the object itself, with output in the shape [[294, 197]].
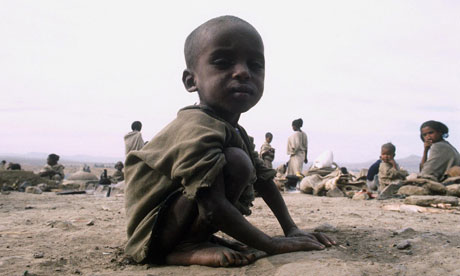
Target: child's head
[[268, 137], [52, 159], [136, 125], [434, 131], [225, 65], [388, 152]]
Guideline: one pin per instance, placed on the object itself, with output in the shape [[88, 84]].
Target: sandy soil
[[49, 234]]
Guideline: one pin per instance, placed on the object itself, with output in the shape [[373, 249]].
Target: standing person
[[438, 154], [133, 140], [199, 173], [267, 152], [3, 165], [297, 149]]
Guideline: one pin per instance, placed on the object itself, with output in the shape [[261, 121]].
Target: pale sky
[[75, 74]]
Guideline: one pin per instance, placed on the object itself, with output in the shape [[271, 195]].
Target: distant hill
[[39, 158]]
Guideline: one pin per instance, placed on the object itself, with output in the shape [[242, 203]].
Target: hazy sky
[[75, 74]]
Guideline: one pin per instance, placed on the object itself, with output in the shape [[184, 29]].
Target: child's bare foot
[[232, 244], [209, 254]]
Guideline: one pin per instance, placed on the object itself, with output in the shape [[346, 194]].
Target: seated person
[[442, 155], [52, 169], [118, 175], [267, 152], [13, 166], [372, 179], [104, 179], [198, 175], [389, 171]]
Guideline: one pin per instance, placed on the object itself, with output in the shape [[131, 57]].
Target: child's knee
[[239, 166]]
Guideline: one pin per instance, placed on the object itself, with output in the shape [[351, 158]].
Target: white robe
[[297, 149]]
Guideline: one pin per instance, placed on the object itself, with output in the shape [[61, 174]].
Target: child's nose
[[241, 71]]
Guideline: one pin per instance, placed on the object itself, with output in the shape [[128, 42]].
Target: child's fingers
[[324, 239]]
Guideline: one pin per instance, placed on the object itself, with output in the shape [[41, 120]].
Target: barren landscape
[[49, 234]]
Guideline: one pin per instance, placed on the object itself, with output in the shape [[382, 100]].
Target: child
[[133, 139], [198, 175], [389, 171], [52, 169], [267, 153]]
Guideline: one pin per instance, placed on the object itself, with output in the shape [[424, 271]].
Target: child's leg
[[186, 230]]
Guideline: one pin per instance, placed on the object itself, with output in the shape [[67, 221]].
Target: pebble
[[38, 255], [403, 244], [90, 223]]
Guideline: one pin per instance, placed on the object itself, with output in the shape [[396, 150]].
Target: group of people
[[439, 160], [297, 149]]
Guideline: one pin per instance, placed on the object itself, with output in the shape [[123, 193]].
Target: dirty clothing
[[55, 172], [267, 154], [185, 157], [133, 141], [442, 156]]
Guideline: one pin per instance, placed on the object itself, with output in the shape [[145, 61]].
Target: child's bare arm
[[223, 215], [275, 201]]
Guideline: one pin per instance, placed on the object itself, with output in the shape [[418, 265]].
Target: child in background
[[389, 171], [267, 152]]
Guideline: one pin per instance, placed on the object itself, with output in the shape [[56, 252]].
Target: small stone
[[413, 190], [90, 223], [405, 231], [389, 191], [33, 190], [403, 245], [428, 200], [38, 255], [28, 207], [76, 271], [453, 190]]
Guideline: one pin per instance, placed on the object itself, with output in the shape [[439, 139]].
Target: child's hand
[[320, 237], [427, 144]]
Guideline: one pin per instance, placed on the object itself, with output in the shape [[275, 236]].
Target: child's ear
[[189, 80]]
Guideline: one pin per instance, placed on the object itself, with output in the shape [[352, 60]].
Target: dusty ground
[[49, 234]]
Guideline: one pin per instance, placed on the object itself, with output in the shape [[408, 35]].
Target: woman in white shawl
[[438, 154], [297, 149]]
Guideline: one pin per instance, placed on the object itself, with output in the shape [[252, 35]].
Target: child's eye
[[222, 62], [256, 65]]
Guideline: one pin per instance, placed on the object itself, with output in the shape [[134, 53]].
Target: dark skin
[[430, 136], [229, 78], [388, 156]]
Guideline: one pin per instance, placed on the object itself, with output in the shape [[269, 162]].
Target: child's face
[[269, 139], [230, 70], [386, 155], [429, 134]]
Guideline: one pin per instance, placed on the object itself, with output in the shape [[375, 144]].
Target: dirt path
[[48, 234]]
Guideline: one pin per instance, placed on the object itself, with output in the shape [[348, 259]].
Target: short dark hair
[[53, 156], [192, 46], [136, 125], [268, 134], [297, 123], [389, 146], [438, 126]]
